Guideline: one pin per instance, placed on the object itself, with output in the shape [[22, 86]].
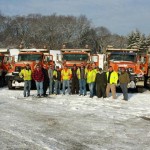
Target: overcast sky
[[119, 16]]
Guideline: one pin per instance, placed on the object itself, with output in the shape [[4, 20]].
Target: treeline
[[53, 31]]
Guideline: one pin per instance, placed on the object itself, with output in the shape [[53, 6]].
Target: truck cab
[[73, 56]]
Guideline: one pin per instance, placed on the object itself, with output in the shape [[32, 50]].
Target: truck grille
[[119, 69], [18, 68], [130, 70]]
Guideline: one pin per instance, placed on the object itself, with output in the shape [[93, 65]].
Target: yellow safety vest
[[91, 75], [26, 74], [79, 73], [113, 77], [66, 74]]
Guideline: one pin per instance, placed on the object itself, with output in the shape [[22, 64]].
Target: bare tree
[[103, 37], [36, 30]]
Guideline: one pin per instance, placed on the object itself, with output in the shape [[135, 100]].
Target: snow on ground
[[72, 122]]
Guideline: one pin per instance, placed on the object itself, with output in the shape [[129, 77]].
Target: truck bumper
[[16, 80], [140, 83], [17, 84], [133, 84]]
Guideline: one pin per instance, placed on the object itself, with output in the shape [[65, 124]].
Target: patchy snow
[[72, 122]]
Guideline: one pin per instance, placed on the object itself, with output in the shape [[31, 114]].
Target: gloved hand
[[21, 76]]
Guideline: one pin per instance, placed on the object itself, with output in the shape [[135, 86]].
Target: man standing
[[26, 74], [75, 81], [94, 68], [112, 78], [124, 80], [38, 76], [57, 79], [66, 76], [101, 82], [46, 80], [82, 75], [51, 81], [91, 75]]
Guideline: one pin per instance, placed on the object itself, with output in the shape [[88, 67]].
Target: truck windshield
[[29, 57], [75, 57], [122, 57]]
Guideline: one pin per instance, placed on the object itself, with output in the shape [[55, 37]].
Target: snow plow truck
[[135, 63], [27, 56], [6, 64], [72, 56]]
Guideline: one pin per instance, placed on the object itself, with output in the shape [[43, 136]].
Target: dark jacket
[[45, 73], [101, 78], [74, 74]]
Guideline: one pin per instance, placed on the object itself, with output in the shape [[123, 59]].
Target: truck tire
[[148, 83], [10, 85], [140, 89]]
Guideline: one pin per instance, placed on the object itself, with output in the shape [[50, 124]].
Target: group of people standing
[[75, 80], [43, 78]]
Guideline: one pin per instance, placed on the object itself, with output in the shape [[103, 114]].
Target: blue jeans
[[57, 87], [51, 81], [124, 90], [82, 85], [91, 88], [39, 87], [66, 83], [27, 87]]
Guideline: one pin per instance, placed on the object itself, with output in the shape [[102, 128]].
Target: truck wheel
[[10, 85], [148, 83], [140, 89]]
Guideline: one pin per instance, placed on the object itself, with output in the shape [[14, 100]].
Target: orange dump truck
[[73, 56], [77, 56], [135, 63], [6, 64], [27, 56]]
